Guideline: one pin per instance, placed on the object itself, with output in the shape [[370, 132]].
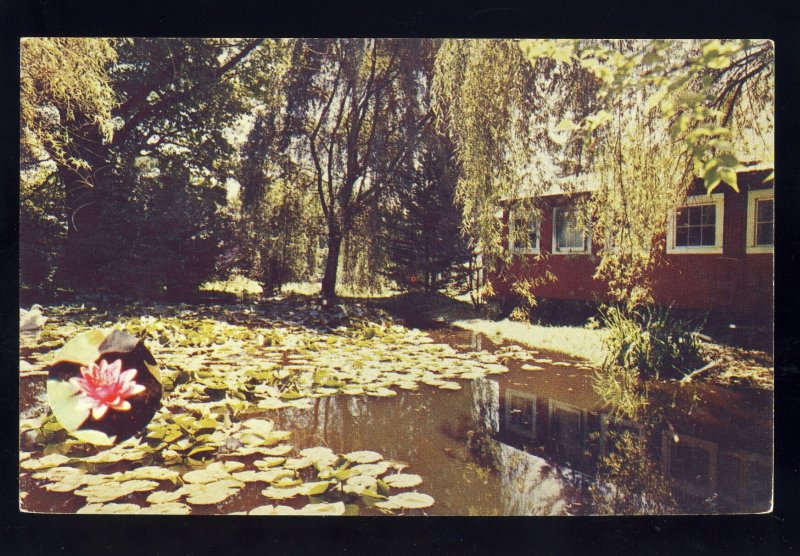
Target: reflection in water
[[543, 443]]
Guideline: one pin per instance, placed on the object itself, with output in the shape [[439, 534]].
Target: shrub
[[650, 341]]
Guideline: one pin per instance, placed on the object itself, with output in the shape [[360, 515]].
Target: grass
[[234, 284], [570, 340]]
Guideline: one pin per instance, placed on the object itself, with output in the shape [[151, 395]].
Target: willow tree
[[502, 114], [354, 111], [61, 80], [710, 91]]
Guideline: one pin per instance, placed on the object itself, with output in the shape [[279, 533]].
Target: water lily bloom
[[106, 386]]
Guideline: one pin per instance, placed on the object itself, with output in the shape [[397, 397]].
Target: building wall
[[731, 282]]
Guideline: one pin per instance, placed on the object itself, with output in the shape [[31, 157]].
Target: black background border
[[150, 535]]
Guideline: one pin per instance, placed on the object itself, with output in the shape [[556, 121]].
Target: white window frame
[[716, 199], [527, 396], [752, 197], [587, 236], [533, 250]]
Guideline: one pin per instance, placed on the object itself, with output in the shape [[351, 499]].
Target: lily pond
[[285, 408]]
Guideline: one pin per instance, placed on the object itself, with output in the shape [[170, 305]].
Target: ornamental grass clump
[[650, 341]]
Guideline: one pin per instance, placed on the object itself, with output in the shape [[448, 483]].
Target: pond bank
[[735, 366]]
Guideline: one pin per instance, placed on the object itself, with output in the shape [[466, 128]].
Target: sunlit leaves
[[112, 508], [406, 500], [108, 491], [402, 480], [211, 493], [697, 86], [363, 456], [53, 460]]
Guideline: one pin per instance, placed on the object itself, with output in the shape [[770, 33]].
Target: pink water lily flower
[[106, 386]]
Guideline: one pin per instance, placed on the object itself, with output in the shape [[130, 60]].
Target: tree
[[176, 101], [61, 80], [74, 74], [422, 224], [353, 115], [502, 114], [706, 90], [279, 228]]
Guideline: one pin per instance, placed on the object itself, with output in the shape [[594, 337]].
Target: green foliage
[[621, 390], [42, 232], [142, 208], [703, 89], [650, 341], [70, 75], [641, 175], [354, 110], [422, 226], [498, 110], [524, 289], [628, 482]]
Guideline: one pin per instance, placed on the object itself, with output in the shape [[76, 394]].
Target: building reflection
[[567, 425]]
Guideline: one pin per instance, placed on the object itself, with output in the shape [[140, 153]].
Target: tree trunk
[[331, 265]]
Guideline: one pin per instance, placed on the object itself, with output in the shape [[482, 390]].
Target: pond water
[[529, 442]]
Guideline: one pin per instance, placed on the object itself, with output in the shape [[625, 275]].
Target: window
[[569, 235], [527, 243], [521, 412], [690, 463], [696, 226], [567, 431], [760, 221]]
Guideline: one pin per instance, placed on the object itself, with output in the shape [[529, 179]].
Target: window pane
[[694, 235], [764, 210], [682, 217], [568, 235], [682, 237], [521, 412], [529, 240], [533, 235], [709, 214], [694, 215], [518, 243], [707, 235], [765, 233], [695, 226]]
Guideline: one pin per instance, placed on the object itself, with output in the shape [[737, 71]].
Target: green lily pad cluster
[[312, 481], [222, 369]]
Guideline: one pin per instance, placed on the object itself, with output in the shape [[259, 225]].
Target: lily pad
[[167, 508], [108, 491], [402, 480], [335, 508], [281, 493], [363, 456], [164, 497], [211, 493], [53, 460], [109, 509], [406, 500]]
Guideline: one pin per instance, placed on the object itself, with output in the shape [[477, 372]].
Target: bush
[[650, 341]]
